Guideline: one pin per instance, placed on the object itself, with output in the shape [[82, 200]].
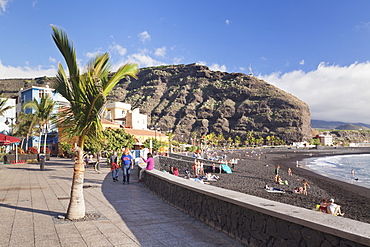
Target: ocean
[[340, 168]]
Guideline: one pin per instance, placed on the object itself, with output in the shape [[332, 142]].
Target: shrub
[[47, 150], [32, 150]]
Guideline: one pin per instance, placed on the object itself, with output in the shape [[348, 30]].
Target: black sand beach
[[252, 174]]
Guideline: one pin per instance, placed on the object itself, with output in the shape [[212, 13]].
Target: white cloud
[[52, 60], [142, 59], [214, 66], [202, 63], [178, 60], [227, 22], [363, 25], [3, 5], [34, 3], [301, 62], [160, 52], [333, 93], [119, 49], [92, 54], [9, 72], [217, 67], [144, 36]]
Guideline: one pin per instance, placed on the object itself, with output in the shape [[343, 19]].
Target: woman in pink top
[[149, 165]]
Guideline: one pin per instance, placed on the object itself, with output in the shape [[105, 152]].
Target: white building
[[9, 116], [122, 113], [326, 139]]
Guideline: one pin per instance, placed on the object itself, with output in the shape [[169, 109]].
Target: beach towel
[[276, 191], [273, 190]]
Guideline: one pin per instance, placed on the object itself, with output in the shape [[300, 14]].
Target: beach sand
[[252, 174]]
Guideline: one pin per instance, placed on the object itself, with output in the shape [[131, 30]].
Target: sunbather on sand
[[334, 209]]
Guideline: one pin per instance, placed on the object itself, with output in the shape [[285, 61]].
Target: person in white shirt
[[333, 208]]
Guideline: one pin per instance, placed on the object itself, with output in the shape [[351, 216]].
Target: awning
[[6, 140]]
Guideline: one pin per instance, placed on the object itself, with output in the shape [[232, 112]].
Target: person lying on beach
[[304, 186], [273, 189], [298, 190], [334, 209]]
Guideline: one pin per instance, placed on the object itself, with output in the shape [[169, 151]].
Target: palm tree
[[170, 135], [26, 126], [3, 107], [86, 94], [43, 114]]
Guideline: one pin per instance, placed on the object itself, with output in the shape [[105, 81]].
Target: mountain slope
[[191, 98]]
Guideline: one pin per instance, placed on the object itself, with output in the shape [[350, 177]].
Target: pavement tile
[[130, 215]]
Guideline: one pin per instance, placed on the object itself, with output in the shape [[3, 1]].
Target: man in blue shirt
[[126, 165]]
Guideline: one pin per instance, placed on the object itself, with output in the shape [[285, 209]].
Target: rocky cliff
[[192, 98]]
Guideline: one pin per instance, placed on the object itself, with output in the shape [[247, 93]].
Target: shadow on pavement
[[46, 212], [154, 222]]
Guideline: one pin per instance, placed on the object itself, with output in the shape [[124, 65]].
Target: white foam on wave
[[340, 167]]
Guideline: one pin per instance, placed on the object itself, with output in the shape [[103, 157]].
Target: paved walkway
[[130, 215]]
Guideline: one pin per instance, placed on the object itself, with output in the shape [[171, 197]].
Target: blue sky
[[318, 51]]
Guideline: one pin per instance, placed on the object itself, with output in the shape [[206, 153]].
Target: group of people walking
[[127, 163]]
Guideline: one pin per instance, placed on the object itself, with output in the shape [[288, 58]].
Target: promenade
[[122, 215]]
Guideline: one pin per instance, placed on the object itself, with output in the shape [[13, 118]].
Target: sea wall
[[252, 220]]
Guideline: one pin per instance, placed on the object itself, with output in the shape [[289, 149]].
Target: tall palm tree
[[43, 114], [86, 94]]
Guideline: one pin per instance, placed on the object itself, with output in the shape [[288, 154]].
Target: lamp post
[[155, 135], [11, 123]]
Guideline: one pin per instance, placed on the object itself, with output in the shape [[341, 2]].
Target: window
[[41, 93]]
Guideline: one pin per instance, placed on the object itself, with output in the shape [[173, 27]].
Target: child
[[304, 187], [290, 172]]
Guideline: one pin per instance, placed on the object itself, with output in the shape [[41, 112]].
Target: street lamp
[[11, 123], [155, 133]]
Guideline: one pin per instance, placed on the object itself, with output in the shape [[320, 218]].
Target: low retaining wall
[[255, 221], [22, 158]]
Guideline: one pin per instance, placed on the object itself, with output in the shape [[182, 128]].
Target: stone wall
[[10, 158], [252, 220]]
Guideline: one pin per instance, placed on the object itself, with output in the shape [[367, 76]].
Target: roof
[[110, 122], [137, 132]]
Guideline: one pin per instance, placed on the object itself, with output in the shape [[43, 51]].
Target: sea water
[[340, 168]]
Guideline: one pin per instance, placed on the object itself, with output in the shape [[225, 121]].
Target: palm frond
[[66, 48]]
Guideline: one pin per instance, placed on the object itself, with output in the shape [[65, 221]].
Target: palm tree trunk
[[27, 140], [40, 138], [76, 207], [45, 137], [22, 142]]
